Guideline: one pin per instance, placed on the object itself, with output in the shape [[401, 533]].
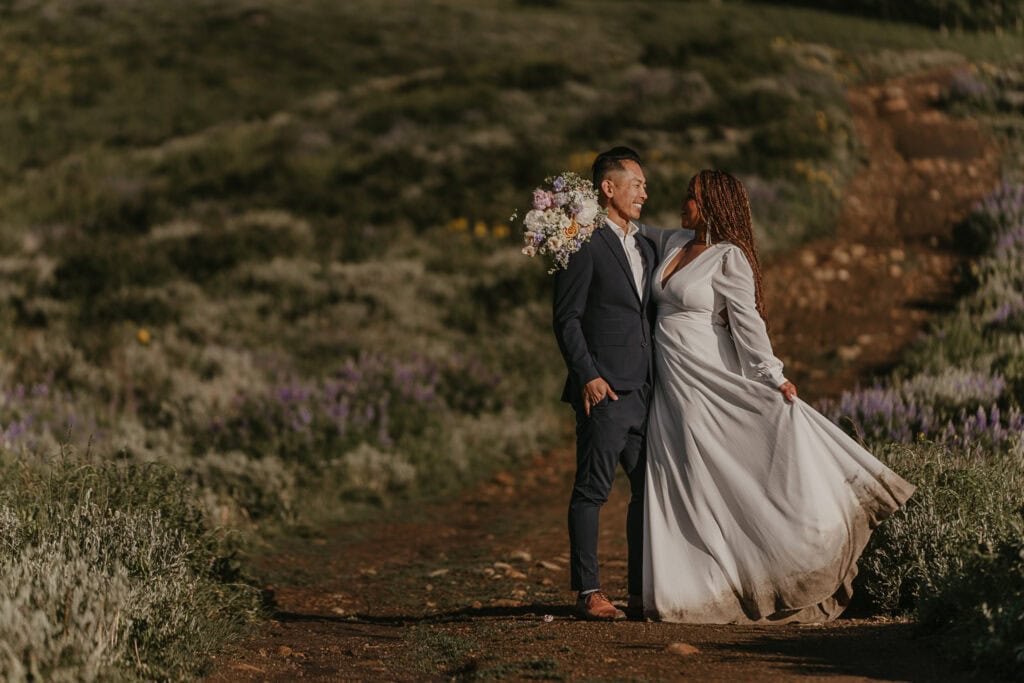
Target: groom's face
[[626, 191]]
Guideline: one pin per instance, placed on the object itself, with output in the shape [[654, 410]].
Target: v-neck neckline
[[664, 281]]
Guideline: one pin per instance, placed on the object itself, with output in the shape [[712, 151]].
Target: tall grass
[[108, 571]]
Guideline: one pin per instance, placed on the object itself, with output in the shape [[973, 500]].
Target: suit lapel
[[615, 245], [649, 266]]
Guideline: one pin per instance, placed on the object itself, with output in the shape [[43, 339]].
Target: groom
[[603, 321]]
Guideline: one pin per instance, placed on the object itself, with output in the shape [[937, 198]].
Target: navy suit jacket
[[602, 325]]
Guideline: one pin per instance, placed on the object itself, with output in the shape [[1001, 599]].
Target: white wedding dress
[[756, 509]]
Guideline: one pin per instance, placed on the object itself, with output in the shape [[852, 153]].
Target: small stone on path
[[681, 649], [505, 479], [505, 602], [848, 353]]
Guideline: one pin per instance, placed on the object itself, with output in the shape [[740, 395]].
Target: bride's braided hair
[[725, 209]]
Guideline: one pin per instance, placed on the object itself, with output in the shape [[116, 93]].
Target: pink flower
[[541, 199]]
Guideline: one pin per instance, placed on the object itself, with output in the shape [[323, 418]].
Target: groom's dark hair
[[609, 161]]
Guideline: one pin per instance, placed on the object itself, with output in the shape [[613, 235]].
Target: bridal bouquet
[[564, 215]]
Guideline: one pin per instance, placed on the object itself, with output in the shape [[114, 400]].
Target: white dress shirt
[[636, 262]]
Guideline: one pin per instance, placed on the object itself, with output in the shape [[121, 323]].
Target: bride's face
[[689, 217]]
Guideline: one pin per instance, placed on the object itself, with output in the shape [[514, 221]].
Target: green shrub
[[962, 501], [108, 571], [981, 608]]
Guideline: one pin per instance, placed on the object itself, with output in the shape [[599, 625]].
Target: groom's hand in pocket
[[595, 391]]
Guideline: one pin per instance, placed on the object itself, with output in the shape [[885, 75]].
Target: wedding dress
[[756, 508]]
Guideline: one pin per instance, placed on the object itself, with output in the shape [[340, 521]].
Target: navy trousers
[[613, 434]]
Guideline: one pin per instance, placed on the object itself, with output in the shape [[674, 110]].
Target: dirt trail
[[843, 308], [477, 587]]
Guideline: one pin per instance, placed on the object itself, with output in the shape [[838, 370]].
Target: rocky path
[[842, 308], [476, 588]]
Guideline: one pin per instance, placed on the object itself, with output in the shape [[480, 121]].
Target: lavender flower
[[965, 85], [1002, 313], [886, 413], [371, 399]]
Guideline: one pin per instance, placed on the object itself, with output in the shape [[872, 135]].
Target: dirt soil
[[477, 588], [842, 308]]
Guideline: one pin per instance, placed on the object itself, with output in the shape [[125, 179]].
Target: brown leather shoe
[[597, 607]]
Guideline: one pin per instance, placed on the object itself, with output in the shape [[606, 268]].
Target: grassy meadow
[[257, 273]]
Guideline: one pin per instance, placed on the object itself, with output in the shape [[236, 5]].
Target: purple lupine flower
[[1010, 240], [371, 398], [966, 85], [1001, 314], [1005, 205]]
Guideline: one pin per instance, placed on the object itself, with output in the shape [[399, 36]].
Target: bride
[[757, 506]]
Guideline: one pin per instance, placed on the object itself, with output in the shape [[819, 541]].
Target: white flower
[[529, 236], [555, 243], [588, 212], [534, 220], [530, 250]]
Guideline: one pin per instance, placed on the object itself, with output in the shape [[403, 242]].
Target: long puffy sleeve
[[735, 284]]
